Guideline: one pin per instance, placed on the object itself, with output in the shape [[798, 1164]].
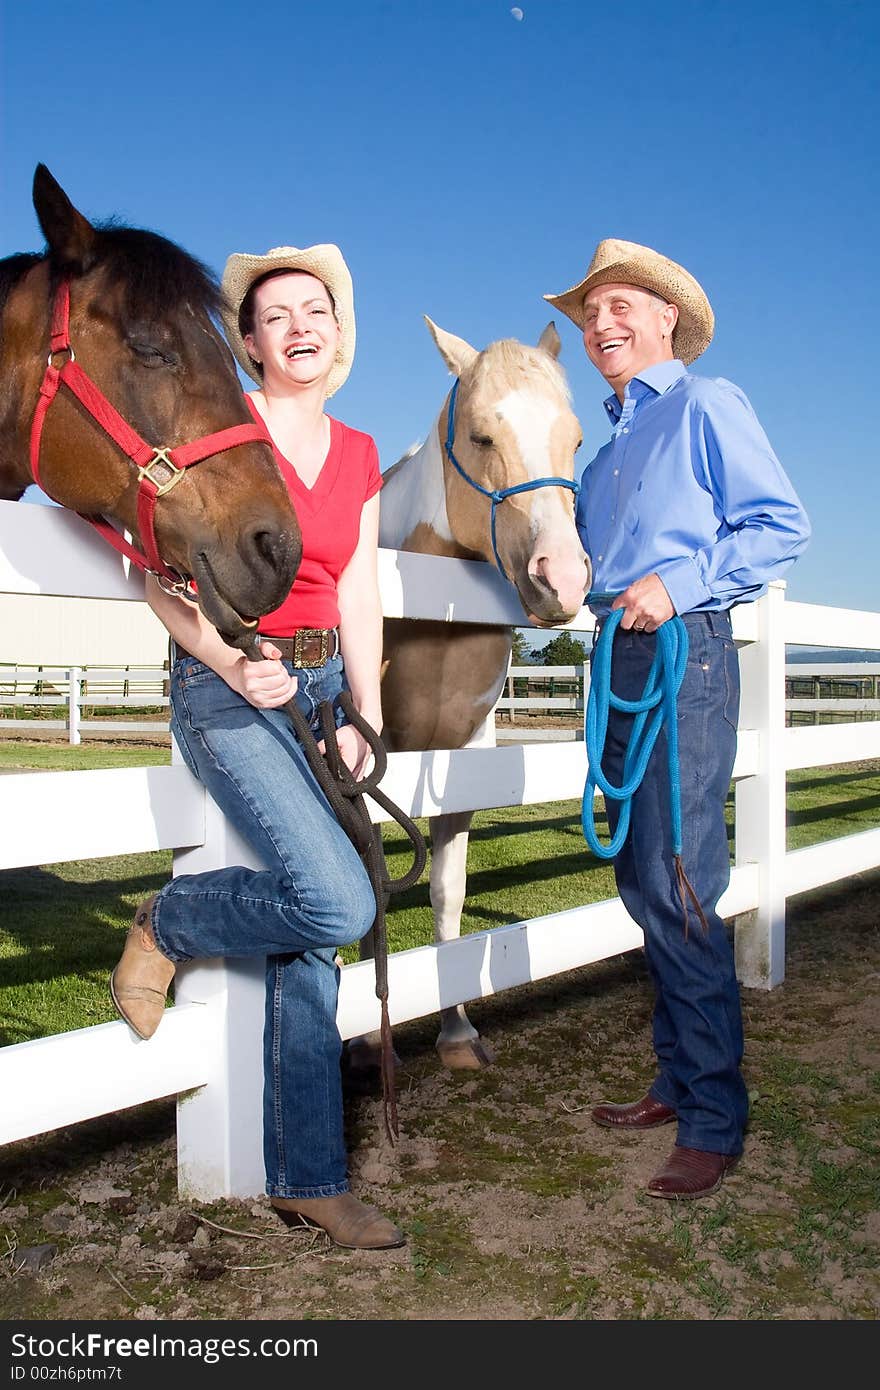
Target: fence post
[[760, 799], [220, 1125], [73, 709]]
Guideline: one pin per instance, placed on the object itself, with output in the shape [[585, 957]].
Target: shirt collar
[[658, 378]]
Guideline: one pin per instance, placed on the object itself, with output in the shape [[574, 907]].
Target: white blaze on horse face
[[532, 419], [557, 557], [415, 495]]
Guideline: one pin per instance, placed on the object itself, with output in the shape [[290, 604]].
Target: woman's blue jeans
[[698, 1035], [313, 896]]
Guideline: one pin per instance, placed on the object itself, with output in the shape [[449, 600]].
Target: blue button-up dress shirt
[[688, 488]]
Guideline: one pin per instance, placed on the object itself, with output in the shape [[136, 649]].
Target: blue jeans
[[698, 1035], [313, 896]]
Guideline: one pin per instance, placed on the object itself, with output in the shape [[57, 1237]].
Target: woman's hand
[[265, 684], [354, 750]]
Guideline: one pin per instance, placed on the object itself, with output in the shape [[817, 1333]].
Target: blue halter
[[496, 495]]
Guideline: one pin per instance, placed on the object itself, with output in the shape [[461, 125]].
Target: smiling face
[[625, 330], [295, 335]]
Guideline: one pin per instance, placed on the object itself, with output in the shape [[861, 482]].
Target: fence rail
[[208, 1050], [92, 687], [79, 689], [834, 690]]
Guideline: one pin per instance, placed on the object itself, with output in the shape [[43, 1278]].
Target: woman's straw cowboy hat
[[325, 262], [626, 263]]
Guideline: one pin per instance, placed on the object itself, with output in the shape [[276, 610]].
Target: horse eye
[[578, 445], [152, 356], [484, 440]]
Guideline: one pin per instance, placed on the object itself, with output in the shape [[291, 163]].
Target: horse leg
[[458, 1042]]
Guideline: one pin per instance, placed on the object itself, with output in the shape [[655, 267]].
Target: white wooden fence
[[72, 689], [208, 1049], [78, 688], [852, 677]]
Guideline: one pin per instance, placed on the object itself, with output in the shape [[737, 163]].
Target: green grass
[[26, 757], [527, 861], [63, 926]]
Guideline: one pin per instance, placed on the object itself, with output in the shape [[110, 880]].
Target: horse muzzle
[[240, 581], [553, 588]]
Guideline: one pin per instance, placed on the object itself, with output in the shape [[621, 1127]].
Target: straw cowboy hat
[[626, 263], [326, 264]]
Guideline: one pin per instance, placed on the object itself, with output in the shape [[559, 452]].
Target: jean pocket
[[731, 682], [189, 671]]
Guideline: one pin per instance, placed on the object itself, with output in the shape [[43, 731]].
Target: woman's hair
[[246, 313]]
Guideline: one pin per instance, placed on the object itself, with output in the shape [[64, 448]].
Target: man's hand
[[265, 684], [646, 604]]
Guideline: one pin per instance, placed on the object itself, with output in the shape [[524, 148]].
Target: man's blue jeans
[[698, 1036], [313, 896]]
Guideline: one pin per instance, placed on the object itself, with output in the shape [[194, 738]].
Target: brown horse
[[141, 417], [494, 484]]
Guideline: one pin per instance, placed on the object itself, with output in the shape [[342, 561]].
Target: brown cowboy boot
[[346, 1220], [139, 983]]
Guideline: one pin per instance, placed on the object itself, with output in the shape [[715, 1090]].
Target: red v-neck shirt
[[329, 515]]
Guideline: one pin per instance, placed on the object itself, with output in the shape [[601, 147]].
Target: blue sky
[[467, 162]]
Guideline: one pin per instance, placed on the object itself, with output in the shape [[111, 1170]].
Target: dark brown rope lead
[[346, 797], [686, 890], [368, 842]]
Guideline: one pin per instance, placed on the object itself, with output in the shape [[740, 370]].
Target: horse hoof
[[465, 1056]]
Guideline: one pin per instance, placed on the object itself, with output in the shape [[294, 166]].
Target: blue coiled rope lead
[[657, 706]]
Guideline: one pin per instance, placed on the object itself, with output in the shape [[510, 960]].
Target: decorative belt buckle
[[299, 658]]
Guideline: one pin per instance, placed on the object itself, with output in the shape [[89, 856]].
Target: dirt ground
[[515, 1205]]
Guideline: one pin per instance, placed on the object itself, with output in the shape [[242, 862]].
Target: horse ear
[[70, 237], [550, 340], [456, 353]]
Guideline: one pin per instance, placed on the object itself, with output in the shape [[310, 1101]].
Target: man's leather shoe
[[689, 1173], [347, 1221], [646, 1113], [139, 983]]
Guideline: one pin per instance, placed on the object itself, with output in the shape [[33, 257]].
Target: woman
[[290, 321]]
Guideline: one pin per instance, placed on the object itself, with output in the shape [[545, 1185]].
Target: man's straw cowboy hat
[[325, 262], [626, 263]]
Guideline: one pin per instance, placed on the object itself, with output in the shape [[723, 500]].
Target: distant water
[[815, 655]]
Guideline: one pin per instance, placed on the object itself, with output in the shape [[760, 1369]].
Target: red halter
[[159, 469]]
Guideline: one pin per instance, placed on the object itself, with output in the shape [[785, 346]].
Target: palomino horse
[[513, 432], [125, 319]]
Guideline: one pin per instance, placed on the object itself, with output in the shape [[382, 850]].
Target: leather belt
[[308, 647]]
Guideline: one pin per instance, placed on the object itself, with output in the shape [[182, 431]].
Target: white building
[[36, 630]]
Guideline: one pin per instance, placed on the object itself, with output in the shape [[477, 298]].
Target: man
[[686, 511]]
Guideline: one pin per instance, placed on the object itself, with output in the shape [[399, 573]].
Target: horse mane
[[153, 271], [404, 458], [518, 360]]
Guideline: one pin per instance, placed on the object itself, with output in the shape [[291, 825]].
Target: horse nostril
[[274, 548], [266, 546], [538, 577]]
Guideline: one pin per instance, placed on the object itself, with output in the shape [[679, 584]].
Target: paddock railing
[[76, 691], [208, 1050], [814, 693]]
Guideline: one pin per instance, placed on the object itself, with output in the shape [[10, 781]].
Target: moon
[[517, 13]]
